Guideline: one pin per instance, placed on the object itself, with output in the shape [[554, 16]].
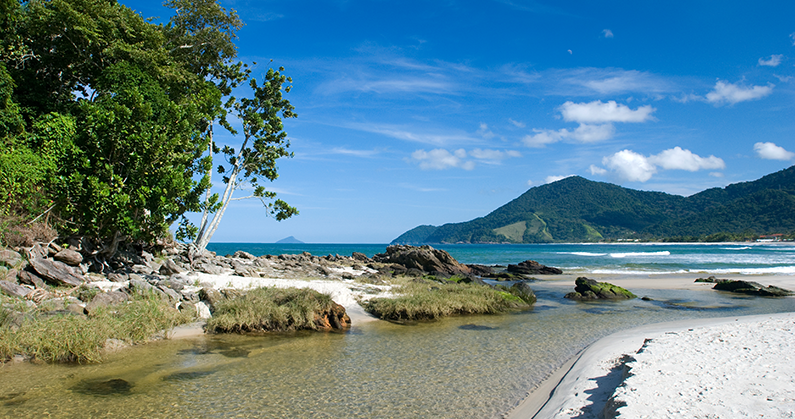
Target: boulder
[[752, 288], [589, 289], [13, 289], [360, 257], [118, 277], [481, 270], [69, 257], [710, 279], [424, 258], [244, 255], [10, 258], [531, 267], [211, 296], [169, 267], [523, 291], [57, 272], [105, 299], [29, 277], [335, 318]]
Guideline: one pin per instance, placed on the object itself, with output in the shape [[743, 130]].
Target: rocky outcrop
[[424, 258], [589, 289], [57, 272], [523, 291], [531, 267], [752, 288], [335, 318]]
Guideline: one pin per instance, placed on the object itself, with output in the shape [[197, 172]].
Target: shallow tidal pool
[[463, 367]]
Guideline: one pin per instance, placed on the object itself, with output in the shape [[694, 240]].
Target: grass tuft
[[270, 309], [429, 301], [74, 338]]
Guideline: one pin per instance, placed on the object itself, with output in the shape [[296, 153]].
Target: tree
[[264, 141]]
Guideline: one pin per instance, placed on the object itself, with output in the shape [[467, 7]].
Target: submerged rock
[[589, 289], [752, 288], [531, 267]]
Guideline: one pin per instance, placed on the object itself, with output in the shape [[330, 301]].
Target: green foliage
[[70, 338], [429, 301], [578, 210], [270, 309]]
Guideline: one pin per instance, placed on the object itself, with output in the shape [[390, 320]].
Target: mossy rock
[[589, 289], [751, 288]]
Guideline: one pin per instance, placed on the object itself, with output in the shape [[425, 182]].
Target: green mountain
[[580, 210]]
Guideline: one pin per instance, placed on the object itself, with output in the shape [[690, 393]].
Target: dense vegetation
[[106, 119], [579, 210]]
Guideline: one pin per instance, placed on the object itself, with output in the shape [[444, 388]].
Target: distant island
[[577, 210], [289, 240]]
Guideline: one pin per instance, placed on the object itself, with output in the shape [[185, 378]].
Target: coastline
[[586, 381]]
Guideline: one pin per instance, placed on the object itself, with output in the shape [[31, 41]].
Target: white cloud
[[493, 156], [485, 132], [517, 124], [792, 35], [551, 178], [440, 159], [770, 151], [773, 61], [585, 133], [599, 113], [357, 153], [530, 182], [630, 166], [716, 174], [607, 33], [678, 159], [634, 167], [732, 93]]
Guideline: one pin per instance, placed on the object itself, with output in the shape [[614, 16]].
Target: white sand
[[709, 368]]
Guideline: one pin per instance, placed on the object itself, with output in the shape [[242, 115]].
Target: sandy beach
[[723, 367]]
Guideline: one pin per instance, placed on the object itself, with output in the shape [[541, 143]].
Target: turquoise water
[[722, 258]]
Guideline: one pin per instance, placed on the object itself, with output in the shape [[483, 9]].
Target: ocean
[[622, 258]]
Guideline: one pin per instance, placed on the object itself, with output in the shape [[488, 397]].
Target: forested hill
[[580, 210]]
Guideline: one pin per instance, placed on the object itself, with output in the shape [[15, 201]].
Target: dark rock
[[57, 272], [481, 270], [505, 276], [13, 289], [31, 278], [169, 267], [69, 257], [589, 289], [211, 296], [424, 258], [710, 279], [752, 288], [360, 257], [523, 291], [10, 258], [531, 267]]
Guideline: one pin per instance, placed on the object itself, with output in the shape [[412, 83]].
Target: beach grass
[[77, 338], [432, 300], [269, 309]]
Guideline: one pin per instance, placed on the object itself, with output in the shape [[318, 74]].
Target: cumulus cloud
[[440, 159], [551, 178], [607, 33], [530, 182], [485, 132], [773, 61], [733, 93], [635, 167], [678, 159], [597, 112], [771, 151]]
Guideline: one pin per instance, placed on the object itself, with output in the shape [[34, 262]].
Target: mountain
[[576, 209], [289, 240]]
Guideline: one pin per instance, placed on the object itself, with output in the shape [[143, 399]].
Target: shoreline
[[584, 383]]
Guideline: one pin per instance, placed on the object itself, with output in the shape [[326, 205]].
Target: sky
[[433, 112]]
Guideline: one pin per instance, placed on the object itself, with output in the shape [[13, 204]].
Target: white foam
[[641, 254]]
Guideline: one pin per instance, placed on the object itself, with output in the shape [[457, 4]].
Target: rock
[[143, 269], [169, 267], [589, 289], [69, 257], [13, 289], [710, 279], [190, 308], [30, 278], [57, 272], [523, 291], [203, 310], [531, 267], [209, 268], [211, 296], [10, 258], [360, 257], [750, 287], [118, 277], [335, 318], [244, 255], [424, 258], [105, 299], [481, 270], [173, 295]]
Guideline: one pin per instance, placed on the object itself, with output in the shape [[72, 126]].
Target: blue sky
[[430, 112]]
